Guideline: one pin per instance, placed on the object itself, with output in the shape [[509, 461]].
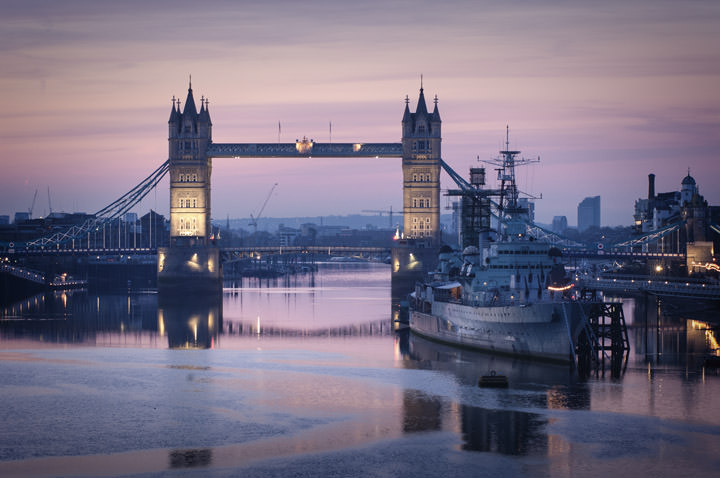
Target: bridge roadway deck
[[240, 250], [304, 149]]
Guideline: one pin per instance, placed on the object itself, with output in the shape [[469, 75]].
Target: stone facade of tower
[[189, 135], [421, 172]]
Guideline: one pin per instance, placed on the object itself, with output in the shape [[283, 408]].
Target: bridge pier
[[411, 260], [189, 269]]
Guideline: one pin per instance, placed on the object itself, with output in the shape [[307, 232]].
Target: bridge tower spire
[[421, 138]]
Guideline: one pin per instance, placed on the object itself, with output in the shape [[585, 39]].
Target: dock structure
[[604, 338]]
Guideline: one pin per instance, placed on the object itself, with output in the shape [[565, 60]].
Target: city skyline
[[603, 96]]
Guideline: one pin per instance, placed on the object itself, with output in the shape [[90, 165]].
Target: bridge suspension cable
[[107, 214]]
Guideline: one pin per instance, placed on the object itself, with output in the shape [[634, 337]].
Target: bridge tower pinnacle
[[421, 138]]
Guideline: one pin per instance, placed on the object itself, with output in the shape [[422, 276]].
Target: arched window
[[194, 203], [194, 177], [414, 177]]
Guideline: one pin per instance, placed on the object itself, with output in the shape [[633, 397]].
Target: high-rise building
[[588, 213], [559, 224]]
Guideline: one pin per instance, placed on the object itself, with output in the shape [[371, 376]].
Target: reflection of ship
[[503, 429], [506, 292], [468, 365]]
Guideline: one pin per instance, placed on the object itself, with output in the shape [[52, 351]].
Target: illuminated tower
[[192, 262], [421, 171], [189, 135]]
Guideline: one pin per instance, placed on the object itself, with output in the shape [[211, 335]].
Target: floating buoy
[[493, 380]]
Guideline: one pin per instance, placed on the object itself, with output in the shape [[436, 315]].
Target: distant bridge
[[656, 285], [616, 254]]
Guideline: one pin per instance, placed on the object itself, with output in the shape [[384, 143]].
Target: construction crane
[[381, 212], [49, 202], [32, 206], [254, 219]]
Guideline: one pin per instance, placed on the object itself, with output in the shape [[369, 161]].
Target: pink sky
[[604, 92]]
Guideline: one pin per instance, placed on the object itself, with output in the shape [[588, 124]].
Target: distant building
[[588, 213], [21, 217], [4, 219], [687, 206], [559, 224]]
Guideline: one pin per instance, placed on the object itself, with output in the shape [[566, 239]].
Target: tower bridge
[[192, 260]]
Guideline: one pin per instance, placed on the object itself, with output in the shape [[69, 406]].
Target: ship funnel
[[651, 186]]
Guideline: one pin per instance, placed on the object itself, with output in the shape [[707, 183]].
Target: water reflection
[[678, 333], [501, 429], [190, 322], [190, 458]]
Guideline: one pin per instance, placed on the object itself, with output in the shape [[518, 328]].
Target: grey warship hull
[[546, 331]]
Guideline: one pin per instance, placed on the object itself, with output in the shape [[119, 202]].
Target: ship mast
[[508, 201]]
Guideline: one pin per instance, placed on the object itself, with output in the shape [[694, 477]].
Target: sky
[[603, 92]]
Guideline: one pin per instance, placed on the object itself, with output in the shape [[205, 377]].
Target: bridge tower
[[421, 171], [189, 134], [191, 261]]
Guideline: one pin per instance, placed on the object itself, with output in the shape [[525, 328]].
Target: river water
[[306, 376]]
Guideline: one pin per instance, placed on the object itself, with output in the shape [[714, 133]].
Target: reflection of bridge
[[368, 329], [39, 277]]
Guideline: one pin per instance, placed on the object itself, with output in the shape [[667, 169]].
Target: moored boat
[[506, 291]]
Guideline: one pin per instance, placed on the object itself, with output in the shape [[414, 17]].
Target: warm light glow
[[658, 268], [357, 147], [161, 261], [709, 335], [193, 324], [304, 146], [161, 323], [560, 289]]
